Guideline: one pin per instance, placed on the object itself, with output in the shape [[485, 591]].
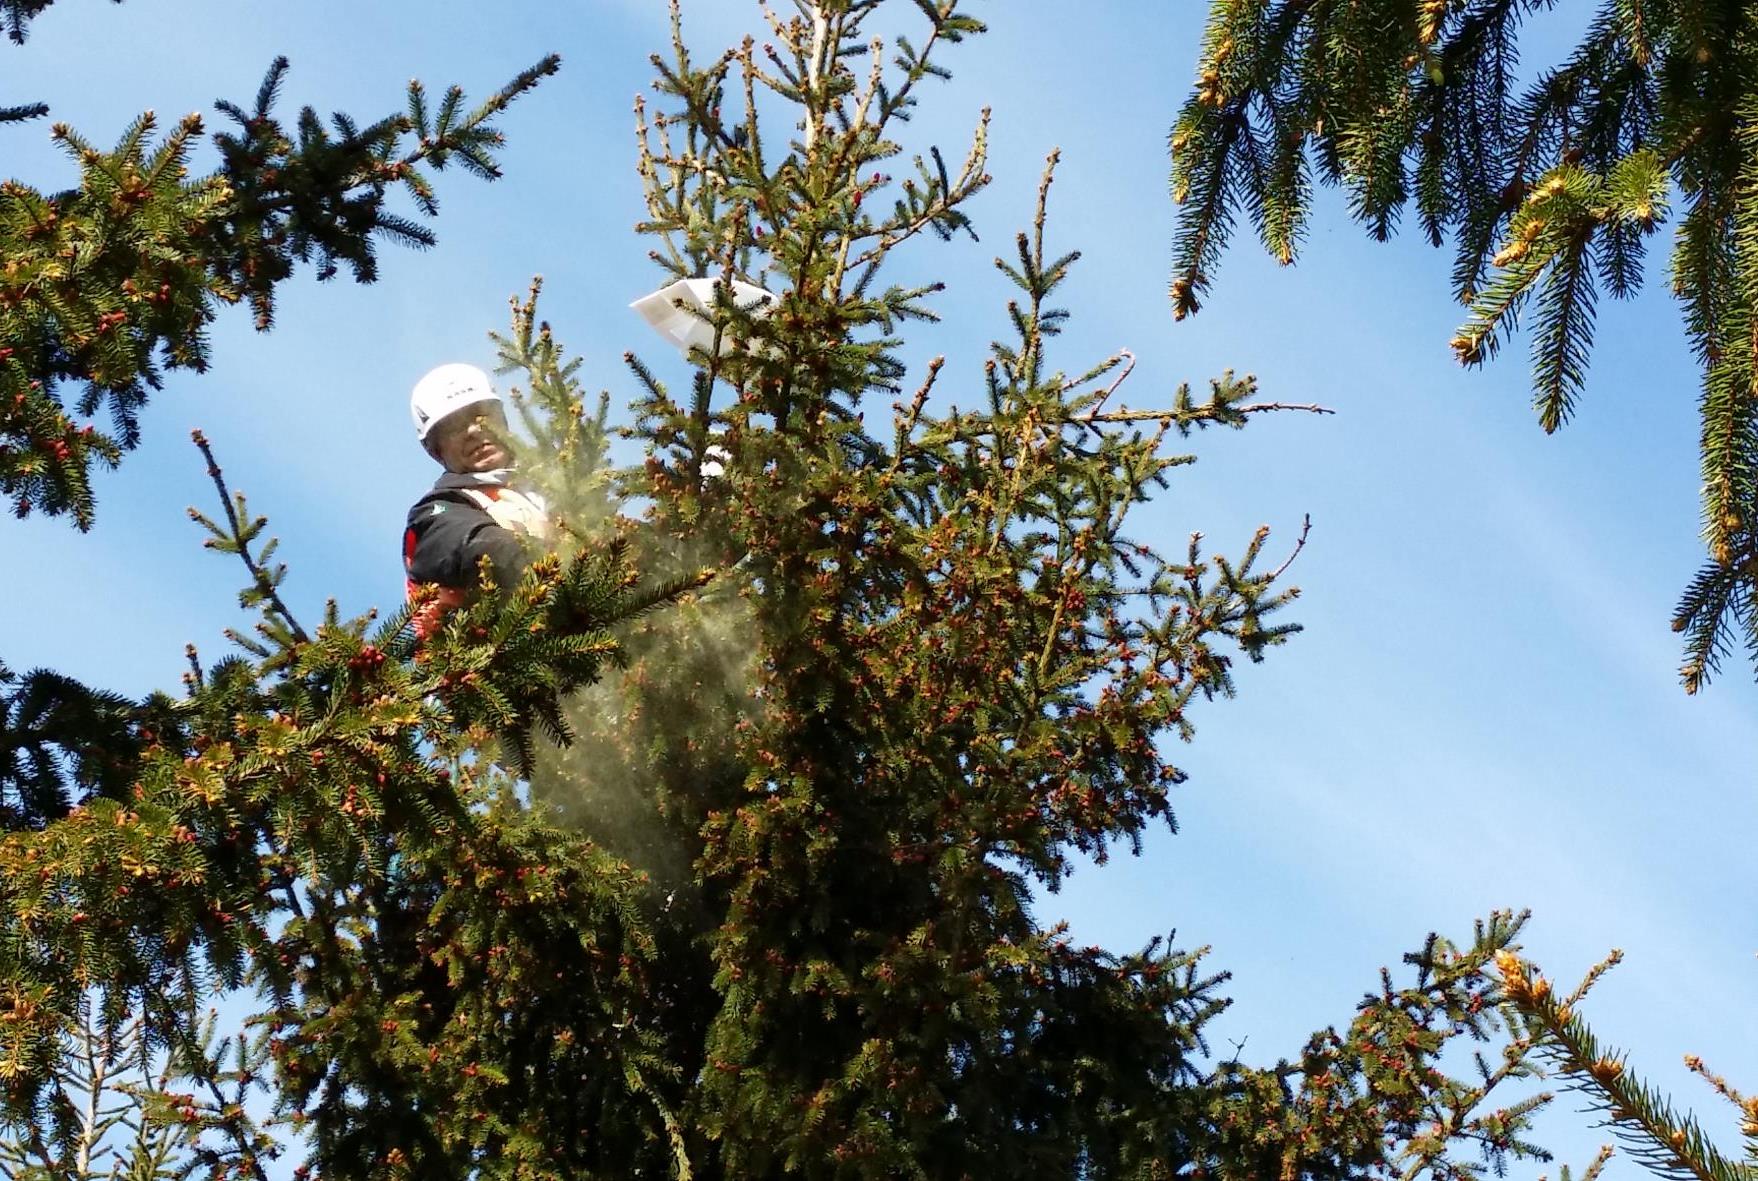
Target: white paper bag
[[686, 330]]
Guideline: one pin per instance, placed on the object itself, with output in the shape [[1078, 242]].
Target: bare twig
[[97, 1064], [1612, 959], [907, 420], [816, 65], [1128, 359], [1299, 544], [1170, 417], [1724, 1088], [1599, 1162], [1123, 357]]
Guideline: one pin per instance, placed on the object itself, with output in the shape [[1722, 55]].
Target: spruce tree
[[1551, 191], [709, 849]]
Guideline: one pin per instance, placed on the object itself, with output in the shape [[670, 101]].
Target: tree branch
[[259, 576]]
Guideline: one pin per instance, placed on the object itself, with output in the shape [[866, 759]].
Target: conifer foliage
[[18, 15], [436, 980], [1670, 1142], [837, 690], [107, 285], [1551, 192]]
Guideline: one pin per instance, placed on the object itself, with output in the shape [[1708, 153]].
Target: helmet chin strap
[[495, 478]]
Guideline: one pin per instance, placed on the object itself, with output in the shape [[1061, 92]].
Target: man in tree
[[958, 673], [472, 512]]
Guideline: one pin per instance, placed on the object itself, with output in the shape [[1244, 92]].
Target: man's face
[[473, 440]]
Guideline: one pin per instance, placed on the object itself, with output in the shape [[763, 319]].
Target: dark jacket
[[448, 534], [450, 530]]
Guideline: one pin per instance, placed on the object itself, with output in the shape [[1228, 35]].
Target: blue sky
[[1482, 711]]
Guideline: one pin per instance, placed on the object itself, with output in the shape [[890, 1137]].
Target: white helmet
[[445, 391]]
